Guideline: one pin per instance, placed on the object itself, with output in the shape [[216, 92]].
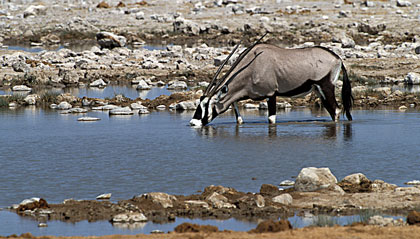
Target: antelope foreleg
[[271, 109], [239, 119]]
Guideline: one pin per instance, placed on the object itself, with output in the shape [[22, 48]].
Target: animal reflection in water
[[329, 130], [265, 71]]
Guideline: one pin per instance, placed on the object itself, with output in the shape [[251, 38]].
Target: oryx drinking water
[[265, 71]]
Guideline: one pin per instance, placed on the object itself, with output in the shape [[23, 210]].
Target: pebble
[[88, 119]]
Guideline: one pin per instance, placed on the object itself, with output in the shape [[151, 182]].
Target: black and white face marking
[[204, 112]]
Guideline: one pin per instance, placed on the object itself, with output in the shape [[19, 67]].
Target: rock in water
[[110, 40]]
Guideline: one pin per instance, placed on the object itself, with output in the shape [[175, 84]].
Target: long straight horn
[[240, 58], [213, 81]]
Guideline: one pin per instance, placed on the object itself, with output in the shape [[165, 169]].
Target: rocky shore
[[194, 38], [315, 191]]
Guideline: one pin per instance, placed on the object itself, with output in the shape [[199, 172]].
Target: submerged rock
[[121, 111], [88, 119], [129, 218]]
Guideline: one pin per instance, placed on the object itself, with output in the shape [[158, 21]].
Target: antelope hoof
[[239, 120], [272, 119], [337, 115]]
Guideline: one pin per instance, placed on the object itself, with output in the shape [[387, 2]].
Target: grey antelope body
[[267, 71]]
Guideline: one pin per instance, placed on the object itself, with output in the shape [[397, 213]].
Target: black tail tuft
[[346, 95]]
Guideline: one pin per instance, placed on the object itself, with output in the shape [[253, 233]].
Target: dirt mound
[[272, 226], [188, 227]]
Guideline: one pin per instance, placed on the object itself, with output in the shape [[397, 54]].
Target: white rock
[[285, 199], [28, 201], [177, 85], [129, 218], [413, 182], [76, 110], [355, 178], [312, 179], [403, 3], [31, 99], [186, 105], [143, 111], [143, 85], [110, 40], [106, 107], [34, 10], [161, 107], [104, 196], [42, 224], [21, 88], [287, 183], [260, 201], [98, 83], [88, 119], [164, 199], [219, 201], [64, 106], [197, 203], [121, 111], [137, 106]]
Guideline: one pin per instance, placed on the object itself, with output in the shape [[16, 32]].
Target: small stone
[[413, 182], [403, 108], [285, 199], [21, 88], [42, 224], [287, 183], [121, 111], [104, 196], [88, 119], [129, 218], [98, 83], [64, 106], [161, 107]]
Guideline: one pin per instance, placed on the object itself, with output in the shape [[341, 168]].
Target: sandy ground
[[359, 232]]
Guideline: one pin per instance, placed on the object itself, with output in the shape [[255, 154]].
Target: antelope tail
[[346, 96]]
